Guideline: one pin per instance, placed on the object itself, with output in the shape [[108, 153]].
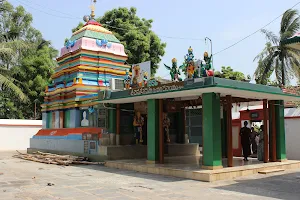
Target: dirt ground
[[20, 179]]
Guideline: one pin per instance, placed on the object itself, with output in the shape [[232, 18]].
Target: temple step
[[269, 171]]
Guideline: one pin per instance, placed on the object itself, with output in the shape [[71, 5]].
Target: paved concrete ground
[[29, 180]]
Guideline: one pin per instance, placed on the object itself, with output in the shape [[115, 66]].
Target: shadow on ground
[[130, 173], [283, 186]]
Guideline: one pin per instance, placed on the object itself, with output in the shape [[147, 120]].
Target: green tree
[[140, 42], [229, 73], [279, 58], [27, 62]]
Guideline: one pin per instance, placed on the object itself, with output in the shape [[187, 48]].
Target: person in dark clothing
[[245, 140]]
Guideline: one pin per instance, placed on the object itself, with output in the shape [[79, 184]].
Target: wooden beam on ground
[[229, 131]]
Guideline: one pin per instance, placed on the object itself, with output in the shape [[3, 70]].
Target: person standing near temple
[[253, 141], [245, 140], [260, 150]]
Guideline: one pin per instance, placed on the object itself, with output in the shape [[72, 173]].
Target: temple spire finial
[[93, 8]]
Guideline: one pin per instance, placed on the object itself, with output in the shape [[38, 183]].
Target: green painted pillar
[[224, 133], [153, 130], [212, 146], [280, 131], [112, 118]]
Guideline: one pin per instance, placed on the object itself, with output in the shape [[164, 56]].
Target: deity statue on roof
[[174, 71], [145, 79], [189, 65], [127, 80], [206, 66]]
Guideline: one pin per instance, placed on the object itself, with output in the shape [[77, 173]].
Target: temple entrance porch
[[216, 97]]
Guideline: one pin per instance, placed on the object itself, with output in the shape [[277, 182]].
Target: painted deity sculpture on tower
[[174, 71], [189, 65], [206, 67]]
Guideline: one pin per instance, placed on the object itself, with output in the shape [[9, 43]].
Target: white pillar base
[[117, 139], [112, 139], [186, 139]]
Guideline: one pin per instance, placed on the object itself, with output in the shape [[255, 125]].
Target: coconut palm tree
[[277, 57], [9, 51]]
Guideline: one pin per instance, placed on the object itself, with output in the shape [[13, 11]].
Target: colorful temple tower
[[89, 59]]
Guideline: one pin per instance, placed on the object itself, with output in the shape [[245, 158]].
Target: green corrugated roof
[[95, 35]]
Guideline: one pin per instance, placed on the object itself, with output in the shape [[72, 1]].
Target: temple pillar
[[67, 118], [224, 132], [61, 119], [161, 132], [229, 131], [266, 138], [280, 131], [272, 131], [153, 130], [112, 115], [75, 118], [118, 122], [44, 120], [212, 153]]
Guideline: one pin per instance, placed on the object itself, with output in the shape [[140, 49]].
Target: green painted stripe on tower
[[49, 119], [212, 153], [153, 130], [95, 35], [67, 118]]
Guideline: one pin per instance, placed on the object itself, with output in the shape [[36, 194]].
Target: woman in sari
[[260, 149]]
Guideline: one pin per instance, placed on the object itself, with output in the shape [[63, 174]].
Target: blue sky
[[225, 22]]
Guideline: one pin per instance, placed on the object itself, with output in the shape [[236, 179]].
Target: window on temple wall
[[102, 118]]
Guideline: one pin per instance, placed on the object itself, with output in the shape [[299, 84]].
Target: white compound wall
[[16, 133]]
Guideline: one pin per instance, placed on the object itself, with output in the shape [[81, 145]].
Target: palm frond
[[265, 67], [8, 84], [266, 51], [286, 21], [271, 36], [292, 29], [278, 72]]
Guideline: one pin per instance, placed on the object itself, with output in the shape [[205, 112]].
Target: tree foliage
[[140, 42], [277, 57], [27, 61], [229, 73]]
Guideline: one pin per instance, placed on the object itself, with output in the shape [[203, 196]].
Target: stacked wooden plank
[[55, 159]]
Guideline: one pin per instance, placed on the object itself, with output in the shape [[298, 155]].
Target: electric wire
[[163, 36], [253, 32]]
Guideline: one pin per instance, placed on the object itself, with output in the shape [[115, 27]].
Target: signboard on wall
[[157, 89], [138, 70]]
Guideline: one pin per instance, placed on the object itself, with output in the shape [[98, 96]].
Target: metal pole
[[211, 49]]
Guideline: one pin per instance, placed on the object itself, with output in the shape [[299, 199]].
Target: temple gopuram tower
[[87, 62]]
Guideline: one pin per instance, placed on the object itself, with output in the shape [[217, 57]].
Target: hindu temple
[[101, 108]]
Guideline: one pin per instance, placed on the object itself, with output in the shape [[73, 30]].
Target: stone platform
[[119, 152], [190, 167]]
